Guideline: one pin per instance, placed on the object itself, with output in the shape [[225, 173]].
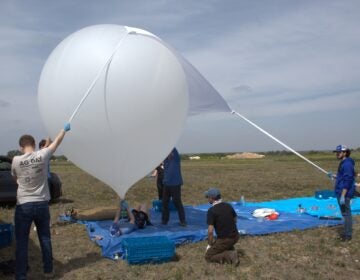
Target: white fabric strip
[[98, 76]]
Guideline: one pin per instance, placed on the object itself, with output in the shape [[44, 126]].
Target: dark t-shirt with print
[[221, 216]]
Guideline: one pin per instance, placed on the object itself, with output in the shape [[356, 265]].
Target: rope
[[278, 141], [98, 75]]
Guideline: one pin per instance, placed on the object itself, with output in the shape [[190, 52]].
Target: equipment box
[[324, 194], [6, 233], [157, 205], [154, 249]]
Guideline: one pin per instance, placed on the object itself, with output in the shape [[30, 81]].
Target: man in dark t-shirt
[[221, 218]]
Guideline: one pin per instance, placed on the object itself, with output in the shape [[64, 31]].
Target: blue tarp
[[196, 229], [313, 206]]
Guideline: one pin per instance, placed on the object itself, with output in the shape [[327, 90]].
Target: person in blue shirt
[[172, 187], [345, 187]]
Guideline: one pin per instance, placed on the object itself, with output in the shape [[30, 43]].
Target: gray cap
[[212, 192]]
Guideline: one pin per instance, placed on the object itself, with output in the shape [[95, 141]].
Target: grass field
[[310, 254]]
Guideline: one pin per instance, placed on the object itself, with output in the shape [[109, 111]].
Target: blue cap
[[340, 148], [212, 192]]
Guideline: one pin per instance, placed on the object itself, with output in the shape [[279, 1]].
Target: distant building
[[244, 155]]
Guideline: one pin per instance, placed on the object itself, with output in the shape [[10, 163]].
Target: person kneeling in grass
[[222, 218]]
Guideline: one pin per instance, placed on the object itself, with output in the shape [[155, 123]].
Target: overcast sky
[[292, 67]]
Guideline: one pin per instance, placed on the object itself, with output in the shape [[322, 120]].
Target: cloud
[[286, 58], [269, 61], [4, 104]]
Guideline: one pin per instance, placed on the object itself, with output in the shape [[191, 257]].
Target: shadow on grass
[[74, 264], [176, 258], [61, 201], [8, 204], [12, 204], [35, 263]]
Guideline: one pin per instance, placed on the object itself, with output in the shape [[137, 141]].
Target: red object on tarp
[[272, 216]]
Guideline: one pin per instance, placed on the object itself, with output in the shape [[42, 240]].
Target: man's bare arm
[[58, 139], [210, 235]]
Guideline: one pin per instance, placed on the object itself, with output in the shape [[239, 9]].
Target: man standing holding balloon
[[30, 170], [345, 187], [172, 187]]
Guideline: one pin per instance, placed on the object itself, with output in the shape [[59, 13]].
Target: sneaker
[[234, 259], [346, 238], [70, 212]]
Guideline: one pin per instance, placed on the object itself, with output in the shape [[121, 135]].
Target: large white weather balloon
[[127, 95]]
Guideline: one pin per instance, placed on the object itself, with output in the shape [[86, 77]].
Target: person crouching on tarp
[[126, 220]]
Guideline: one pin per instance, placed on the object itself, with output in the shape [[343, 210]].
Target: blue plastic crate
[[324, 194], [6, 234], [154, 249], [157, 205]]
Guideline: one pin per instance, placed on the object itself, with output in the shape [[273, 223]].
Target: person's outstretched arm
[[47, 142], [58, 139]]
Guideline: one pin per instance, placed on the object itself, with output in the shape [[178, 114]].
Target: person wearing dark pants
[[25, 214], [221, 218], [175, 193], [346, 213], [223, 251], [172, 187], [30, 172], [345, 187], [159, 180]]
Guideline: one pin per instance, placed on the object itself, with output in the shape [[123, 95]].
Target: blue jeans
[[346, 213], [25, 214]]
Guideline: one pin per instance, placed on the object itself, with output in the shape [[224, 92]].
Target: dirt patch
[[244, 156]]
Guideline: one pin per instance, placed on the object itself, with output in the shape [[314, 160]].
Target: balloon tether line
[[278, 141], [98, 76]]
